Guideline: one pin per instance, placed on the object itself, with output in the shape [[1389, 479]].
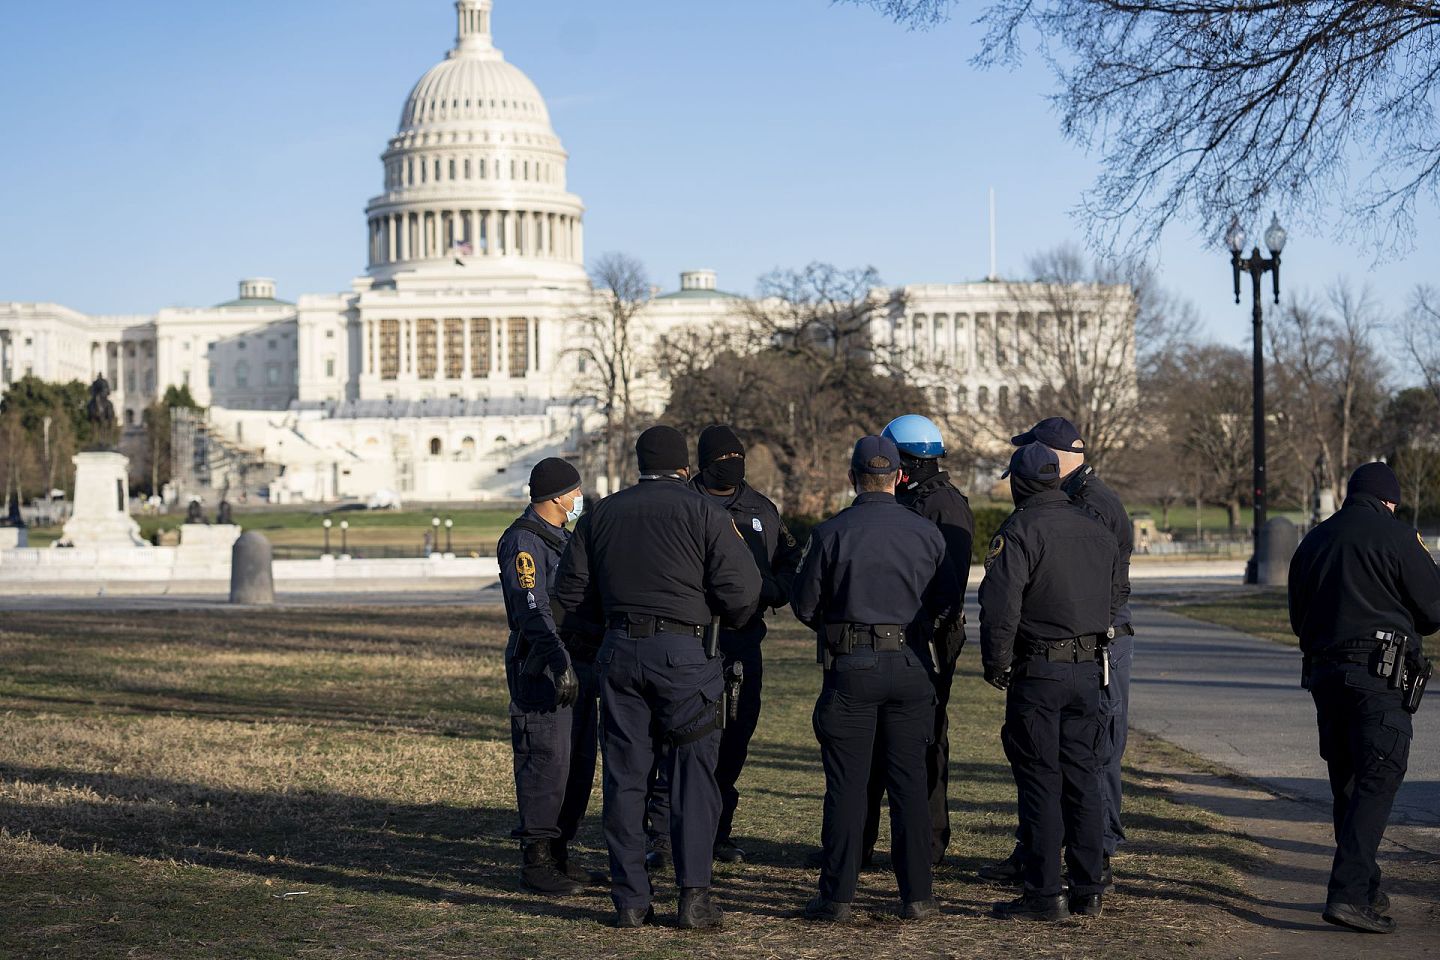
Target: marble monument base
[[101, 516]]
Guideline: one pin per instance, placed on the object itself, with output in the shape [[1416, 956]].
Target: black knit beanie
[[717, 441], [1376, 479], [661, 450], [552, 477]]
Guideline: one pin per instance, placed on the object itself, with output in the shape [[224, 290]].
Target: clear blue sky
[[159, 151]]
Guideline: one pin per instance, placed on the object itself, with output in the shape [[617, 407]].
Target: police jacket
[[1089, 491], [874, 563], [528, 564], [662, 550], [936, 499], [1052, 572], [1360, 571], [775, 551]]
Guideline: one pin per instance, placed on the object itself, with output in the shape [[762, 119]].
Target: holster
[[1415, 684], [734, 680]]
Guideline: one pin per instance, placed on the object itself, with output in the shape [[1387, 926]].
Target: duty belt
[[1355, 651], [1071, 650], [641, 626], [884, 637]]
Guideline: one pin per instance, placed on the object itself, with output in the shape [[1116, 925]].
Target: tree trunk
[[1233, 507]]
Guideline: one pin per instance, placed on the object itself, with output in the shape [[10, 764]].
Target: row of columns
[[435, 234], [499, 332]]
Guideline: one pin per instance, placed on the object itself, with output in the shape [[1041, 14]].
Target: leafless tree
[[801, 376], [1329, 383], [1211, 107], [609, 353], [1204, 401], [1420, 333]]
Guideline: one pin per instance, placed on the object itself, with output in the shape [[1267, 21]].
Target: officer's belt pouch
[[1076, 650], [842, 638], [640, 626], [839, 639]]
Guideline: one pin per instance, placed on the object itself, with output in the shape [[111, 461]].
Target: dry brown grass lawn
[[166, 779]]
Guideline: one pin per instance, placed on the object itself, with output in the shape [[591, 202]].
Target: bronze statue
[[101, 414], [194, 514], [222, 516]]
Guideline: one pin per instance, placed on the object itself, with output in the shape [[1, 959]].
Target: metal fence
[[299, 552]]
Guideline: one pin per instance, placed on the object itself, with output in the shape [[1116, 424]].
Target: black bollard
[[252, 578]]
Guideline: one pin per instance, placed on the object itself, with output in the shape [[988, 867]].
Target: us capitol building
[[443, 373]]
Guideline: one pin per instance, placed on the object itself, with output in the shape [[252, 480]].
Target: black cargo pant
[[937, 773], [653, 689], [555, 752], [1052, 736], [875, 705], [736, 646], [1365, 739]]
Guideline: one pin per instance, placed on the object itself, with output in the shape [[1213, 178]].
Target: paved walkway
[[1236, 701]]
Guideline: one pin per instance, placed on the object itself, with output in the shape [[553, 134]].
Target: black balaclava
[[717, 474], [1023, 488], [918, 470]]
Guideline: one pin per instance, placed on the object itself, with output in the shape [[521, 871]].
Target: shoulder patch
[[757, 525], [996, 546], [525, 568]]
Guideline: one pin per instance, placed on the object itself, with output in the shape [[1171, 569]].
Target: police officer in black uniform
[[876, 587], [1053, 582], [722, 477], [1087, 490], [553, 697], [659, 562], [927, 490], [1363, 591]]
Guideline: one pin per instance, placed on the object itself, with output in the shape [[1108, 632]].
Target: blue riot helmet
[[916, 436]]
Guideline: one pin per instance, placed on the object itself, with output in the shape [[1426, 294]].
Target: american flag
[[464, 248]]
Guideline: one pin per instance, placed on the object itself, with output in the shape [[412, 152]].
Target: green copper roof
[[699, 295], [255, 302]]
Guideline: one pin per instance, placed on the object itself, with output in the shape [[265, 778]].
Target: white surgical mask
[[576, 508]]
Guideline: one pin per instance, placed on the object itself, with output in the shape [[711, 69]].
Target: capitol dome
[[475, 176]]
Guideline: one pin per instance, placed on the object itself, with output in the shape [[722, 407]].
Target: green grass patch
[[167, 778], [1259, 611]]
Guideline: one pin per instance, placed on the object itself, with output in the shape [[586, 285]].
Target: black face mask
[[1023, 488], [724, 474]]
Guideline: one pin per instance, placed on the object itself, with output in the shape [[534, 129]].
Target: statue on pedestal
[[101, 414], [222, 516], [194, 514]]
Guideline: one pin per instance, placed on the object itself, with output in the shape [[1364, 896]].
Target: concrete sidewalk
[[1236, 701]]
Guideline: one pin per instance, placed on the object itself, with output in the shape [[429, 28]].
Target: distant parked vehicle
[[385, 500]]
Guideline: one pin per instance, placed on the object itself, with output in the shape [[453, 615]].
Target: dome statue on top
[[475, 177]]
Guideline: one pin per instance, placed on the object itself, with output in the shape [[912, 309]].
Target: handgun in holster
[[1388, 661], [833, 640]]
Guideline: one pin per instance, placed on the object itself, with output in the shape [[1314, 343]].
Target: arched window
[[982, 399], [435, 446], [1004, 399], [467, 448], [962, 398], [242, 374]]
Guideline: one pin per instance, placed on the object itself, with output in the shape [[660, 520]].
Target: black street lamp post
[[1257, 266], [326, 524], [449, 526], [345, 538]]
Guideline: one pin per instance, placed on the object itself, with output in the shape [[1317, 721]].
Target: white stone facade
[[445, 371]]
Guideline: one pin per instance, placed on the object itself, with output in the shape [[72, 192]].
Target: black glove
[[567, 688], [996, 677]]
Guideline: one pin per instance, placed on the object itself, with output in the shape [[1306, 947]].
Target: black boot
[[634, 917], [1357, 917], [561, 852], [1380, 903], [920, 910], [696, 910], [658, 856], [1009, 870], [538, 872], [1086, 904], [726, 851], [828, 911], [1032, 906]]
